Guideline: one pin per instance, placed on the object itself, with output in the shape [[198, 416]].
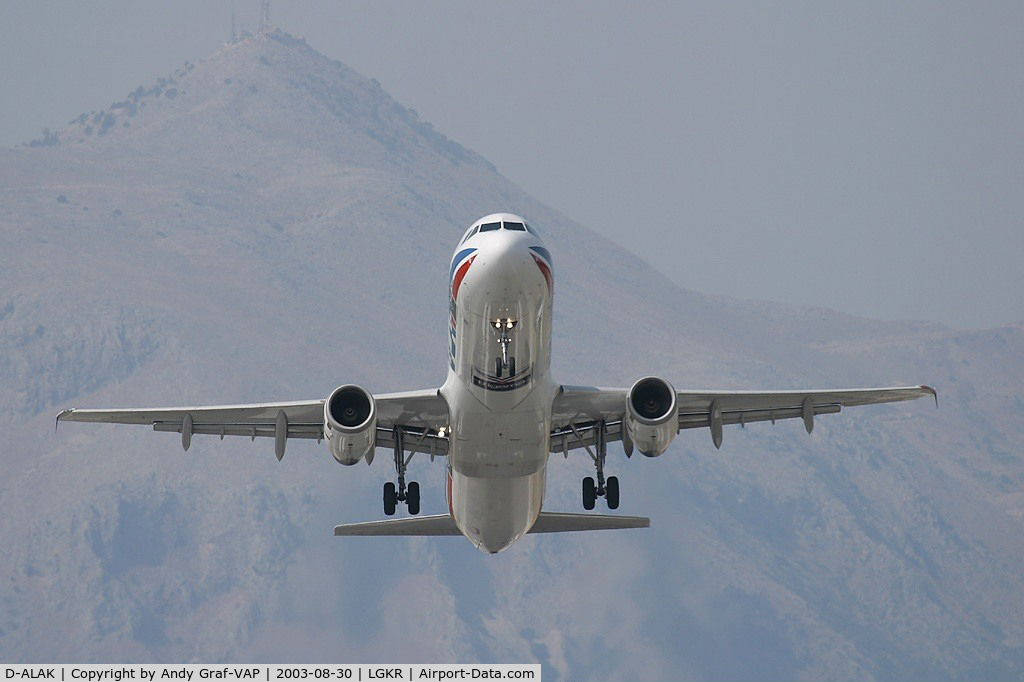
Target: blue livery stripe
[[459, 257], [543, 253]]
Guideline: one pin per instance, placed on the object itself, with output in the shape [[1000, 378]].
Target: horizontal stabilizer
[[550, 522], [443, 524]]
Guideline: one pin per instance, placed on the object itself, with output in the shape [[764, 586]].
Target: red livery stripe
[[459, 275], [546, 271]]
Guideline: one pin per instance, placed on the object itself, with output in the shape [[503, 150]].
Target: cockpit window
[[515, 226], [468, 235], [490, 227]]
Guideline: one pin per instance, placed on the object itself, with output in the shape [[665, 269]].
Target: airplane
[[500, 413]]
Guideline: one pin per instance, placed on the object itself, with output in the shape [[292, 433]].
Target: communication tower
[[265, 24]]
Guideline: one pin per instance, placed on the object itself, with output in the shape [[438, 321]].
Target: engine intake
[[652, 419], [350, 423]]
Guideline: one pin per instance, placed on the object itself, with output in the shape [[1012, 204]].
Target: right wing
[[419, 413], [578, 409]]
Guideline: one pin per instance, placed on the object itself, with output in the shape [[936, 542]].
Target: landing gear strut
[[504, 361], [609, 489], [409, 494]]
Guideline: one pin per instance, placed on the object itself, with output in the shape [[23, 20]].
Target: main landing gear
[[409, 494], [609, 489]]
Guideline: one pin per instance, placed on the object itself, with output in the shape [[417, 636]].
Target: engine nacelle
[[652, 418], [350, 423]]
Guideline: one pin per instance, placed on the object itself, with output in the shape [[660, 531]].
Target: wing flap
[[422, 440], [696, 420], [583, 436], [253, 430]]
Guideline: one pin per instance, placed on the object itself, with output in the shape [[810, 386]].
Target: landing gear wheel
[[589, 493], [412, 498], [611, 494], [390, 499], [511, 367], [497, 367]]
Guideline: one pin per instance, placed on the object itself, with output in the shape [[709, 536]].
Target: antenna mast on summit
[[266, 17]]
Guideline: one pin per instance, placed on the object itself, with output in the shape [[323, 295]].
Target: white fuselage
[[499, 388]]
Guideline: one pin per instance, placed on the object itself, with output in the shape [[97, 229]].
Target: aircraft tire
[[497, 367], [612, 494], [390, 499], [412, 498], [511, 367], [589, 493]]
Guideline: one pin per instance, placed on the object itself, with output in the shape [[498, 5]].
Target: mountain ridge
[[127, 116]]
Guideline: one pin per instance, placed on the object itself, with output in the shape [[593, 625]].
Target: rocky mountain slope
[[268, 224]]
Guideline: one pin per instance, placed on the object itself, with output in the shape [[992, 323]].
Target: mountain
[[268, 224]]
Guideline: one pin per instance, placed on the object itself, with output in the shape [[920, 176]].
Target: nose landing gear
[[501, 364], [504, 361]]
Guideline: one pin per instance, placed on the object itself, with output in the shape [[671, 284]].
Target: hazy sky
[[867, 157]]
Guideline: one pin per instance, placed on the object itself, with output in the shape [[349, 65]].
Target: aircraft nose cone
[[507, 257]]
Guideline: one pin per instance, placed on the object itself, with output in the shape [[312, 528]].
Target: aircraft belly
[[488, 445]]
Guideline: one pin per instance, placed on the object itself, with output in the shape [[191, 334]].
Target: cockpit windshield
[[505, 225]]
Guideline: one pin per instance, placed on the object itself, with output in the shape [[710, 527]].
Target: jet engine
[[350, 423], [652, 419]]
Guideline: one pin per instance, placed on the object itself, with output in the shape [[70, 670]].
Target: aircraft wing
[[577, 409], [414, 411]]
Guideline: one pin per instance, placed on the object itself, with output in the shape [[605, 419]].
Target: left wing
[[419, 413], [578, 409]]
